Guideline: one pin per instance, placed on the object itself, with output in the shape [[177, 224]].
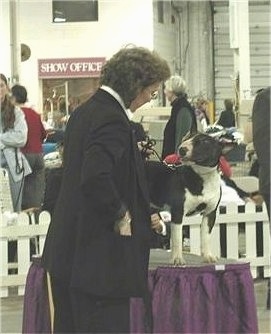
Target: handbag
[[5, 198]]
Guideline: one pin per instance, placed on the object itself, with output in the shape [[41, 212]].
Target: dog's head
[[202, 149]]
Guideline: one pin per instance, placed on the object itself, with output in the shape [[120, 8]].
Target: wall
[[120, 22], [185, 40], [196, 61], [199, 71], [260, 45], [165, 35]]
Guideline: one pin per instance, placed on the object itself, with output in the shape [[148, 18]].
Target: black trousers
[[79, 312]]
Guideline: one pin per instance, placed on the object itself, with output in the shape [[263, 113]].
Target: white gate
[[22, 229], [244, 240]]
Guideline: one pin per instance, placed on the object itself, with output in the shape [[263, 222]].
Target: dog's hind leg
[[206, 229], [177, 244]]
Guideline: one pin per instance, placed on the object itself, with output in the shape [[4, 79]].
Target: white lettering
[[44, 68], [75, 67], [86, 67], [62, 67], [99, 66], [54, 67]]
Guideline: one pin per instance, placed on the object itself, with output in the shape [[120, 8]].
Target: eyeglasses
[[154, 95]]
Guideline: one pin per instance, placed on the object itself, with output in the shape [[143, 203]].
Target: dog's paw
[[209, 258], [177, 261]]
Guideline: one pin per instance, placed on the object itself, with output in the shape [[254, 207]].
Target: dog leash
[[148, 145]]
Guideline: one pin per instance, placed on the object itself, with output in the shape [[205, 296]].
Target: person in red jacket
[[33, 191]]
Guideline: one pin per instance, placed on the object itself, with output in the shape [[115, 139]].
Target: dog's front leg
[[205, 240], [177, 244]]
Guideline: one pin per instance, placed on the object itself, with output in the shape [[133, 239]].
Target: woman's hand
[[156, 224], [123, 226]]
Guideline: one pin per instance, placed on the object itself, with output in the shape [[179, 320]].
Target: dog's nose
[[183, 151]]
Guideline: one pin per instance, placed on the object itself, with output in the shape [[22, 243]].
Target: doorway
[[62, 96]]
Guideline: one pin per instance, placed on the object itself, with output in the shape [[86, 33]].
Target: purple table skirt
[[197, 299], [36, 313]]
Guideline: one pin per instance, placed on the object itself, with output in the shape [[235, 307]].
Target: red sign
[[70, 67]]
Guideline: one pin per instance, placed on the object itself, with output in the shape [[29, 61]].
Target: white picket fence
[[241, 243], [21, 228]]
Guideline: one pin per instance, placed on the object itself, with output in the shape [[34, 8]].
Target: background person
[[227, 117], [13, 136], [33, 190], [261, 140], [182, 118], [201, 112], [97, 246]]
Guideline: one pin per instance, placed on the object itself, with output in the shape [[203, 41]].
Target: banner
[[70, 67]]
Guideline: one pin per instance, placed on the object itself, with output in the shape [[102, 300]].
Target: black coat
[[169, 140], [261, 137], [226, 119], [103, 176]]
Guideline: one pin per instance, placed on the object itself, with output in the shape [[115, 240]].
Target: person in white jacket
[[13, 135]]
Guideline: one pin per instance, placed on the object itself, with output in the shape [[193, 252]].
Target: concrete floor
[[264, 315]]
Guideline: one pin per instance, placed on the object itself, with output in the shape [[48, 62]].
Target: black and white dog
[[192, 187]]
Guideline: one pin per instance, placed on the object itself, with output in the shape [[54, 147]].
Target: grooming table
[[196, 298]]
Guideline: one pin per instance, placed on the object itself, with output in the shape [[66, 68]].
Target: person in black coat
[[97, 246], [182, 117], [160, 229], [227, 117], [261, 140]]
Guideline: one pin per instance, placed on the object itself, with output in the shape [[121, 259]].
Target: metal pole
[[15, 46], [239, 42]]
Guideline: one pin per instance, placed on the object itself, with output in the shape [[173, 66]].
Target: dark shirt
[[182, 120], [227, 119], [52, 187], [261, 137]]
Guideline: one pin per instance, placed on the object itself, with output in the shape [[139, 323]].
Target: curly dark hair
[[131, 70], [7, 109]]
